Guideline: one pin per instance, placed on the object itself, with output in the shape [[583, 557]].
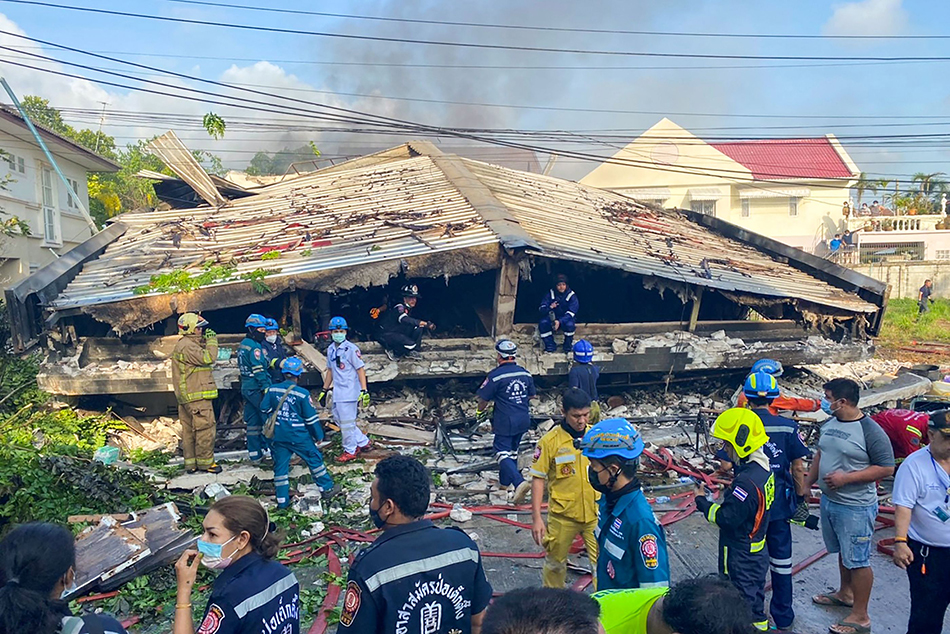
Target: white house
[[37, 195]]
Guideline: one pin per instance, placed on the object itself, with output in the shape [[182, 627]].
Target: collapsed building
[[661, 291]]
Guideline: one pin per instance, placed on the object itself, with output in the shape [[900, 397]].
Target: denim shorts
[[848, 530]]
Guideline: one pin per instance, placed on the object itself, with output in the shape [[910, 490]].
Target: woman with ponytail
[[37, 570], [253, 593]]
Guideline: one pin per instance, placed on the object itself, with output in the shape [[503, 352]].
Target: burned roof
[[422, 214]]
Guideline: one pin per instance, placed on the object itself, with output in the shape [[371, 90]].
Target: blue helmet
[[292, 365], [271, 324], [583, 351], [255, 321], [769, 366], [612, 437], [338, 323], [761, 384]]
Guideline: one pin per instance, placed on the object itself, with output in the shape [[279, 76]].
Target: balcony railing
[[869, 224]]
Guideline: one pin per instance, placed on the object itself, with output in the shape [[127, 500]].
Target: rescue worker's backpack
[[271, 423]]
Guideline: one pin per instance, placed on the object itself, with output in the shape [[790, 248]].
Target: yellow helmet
[[188, 322], [742, 428]]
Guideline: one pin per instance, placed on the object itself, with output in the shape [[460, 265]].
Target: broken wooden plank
[[89, 519], [311, 355], [398, 432]]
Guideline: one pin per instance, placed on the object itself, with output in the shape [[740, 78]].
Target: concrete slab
[[231, 475]]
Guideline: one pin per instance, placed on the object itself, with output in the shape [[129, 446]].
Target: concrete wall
[[905, 278], [23, 197]]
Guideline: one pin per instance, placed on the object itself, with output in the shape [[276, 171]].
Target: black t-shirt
[[926, 292]]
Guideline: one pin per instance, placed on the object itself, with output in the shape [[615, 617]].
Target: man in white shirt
[[922, 514]]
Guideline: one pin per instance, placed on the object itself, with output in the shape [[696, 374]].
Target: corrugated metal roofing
[[771, 159], [412, 207]]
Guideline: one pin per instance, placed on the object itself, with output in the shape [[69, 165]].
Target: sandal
[[830, 599], [849, 628]]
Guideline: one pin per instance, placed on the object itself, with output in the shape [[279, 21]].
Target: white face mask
[[69, 590], [271, 338]]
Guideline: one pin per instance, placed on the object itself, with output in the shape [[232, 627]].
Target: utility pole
[[102, 119]]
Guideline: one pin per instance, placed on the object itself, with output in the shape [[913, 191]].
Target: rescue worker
[[584, 374], [782, 403], [274, 350], [296, 431], [743, 514], [192, 362], [906, 429], [253, 593], [254, 382], [415, 578], [572, 502], [509, 387], [631, 544], [399, 332], [346, 378], [558, 313]]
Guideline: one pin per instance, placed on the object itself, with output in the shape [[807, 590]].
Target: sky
[[600, 101]]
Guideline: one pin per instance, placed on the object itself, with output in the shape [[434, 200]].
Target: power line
[[478, 45]]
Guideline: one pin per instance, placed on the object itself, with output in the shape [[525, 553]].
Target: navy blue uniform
[[564, 311], [90, 624], [584, 377], [743, 518], [783, 447], [400, 332], [254, 382], [631, 545], [253, 596], [510, 387], [274, 353], [415, 579]]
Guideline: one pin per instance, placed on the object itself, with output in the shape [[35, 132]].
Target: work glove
[[482, 416], [273, 363], [322, 399], [363, 400], [803, 517], [210, 334]]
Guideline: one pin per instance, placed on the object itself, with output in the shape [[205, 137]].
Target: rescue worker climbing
[[743, 514], [781, 403], [584, 374], [296, 431], [346, 378], [274, 350], [572, 502], [631, 545], [399, 332], [558, 313], [254, 382], [192, 363], [510, 387]]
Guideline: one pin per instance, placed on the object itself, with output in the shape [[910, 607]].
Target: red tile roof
[[787, 158]]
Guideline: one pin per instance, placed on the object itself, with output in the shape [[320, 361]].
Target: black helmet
[[410, 290]]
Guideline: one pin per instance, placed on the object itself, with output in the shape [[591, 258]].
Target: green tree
[[864, 184], [40, 112], [264, 164], [214, 124]]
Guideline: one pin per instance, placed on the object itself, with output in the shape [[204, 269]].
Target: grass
[[902, 326]]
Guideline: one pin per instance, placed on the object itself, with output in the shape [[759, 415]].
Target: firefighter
[[584, 374], [510, 387], [743, 514], [274, 350], [346, 378], [781, 403], [296, 431], [399, 332], [192, 362], [906, 429], [572, 502], [631, 545], [254, 382], [558, 312]]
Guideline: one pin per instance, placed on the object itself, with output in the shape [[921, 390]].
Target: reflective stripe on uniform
[[546, 334], [725, 559], [265, 596], [564, 458], [762, 626], [778, 429], [71, 625], [510, 374], [757, 546], [713, 510], [419, 566], [914, 431], [538, 474], [655, 584], [613, 549]]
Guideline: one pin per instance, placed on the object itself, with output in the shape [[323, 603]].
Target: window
[[21, 165], [793, 206], [16, 163], [746, 207], [707, 207], [50, 215], [72, 196], [943, 254], [34, 267]]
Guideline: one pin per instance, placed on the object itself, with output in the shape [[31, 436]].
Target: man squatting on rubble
[[743, 514], [254, 382], [510, 387], [631, 545], [706, 605], [192, 379], [399, 332], [346, 378], [572, 502], [558, 313], [296, 431]]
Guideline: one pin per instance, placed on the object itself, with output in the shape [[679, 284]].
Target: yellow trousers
[[198, 429], [557, 543]]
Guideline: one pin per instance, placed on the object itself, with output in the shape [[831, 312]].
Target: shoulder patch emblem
[[649, 551], [359, 355], [537, 452], [213, 619], [484, 383], [351, 604], [611, 571], [740, 493], [257, 353]]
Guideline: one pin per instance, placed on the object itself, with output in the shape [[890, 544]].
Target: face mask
[[595, 481], [68, 591], [826, 407], [338, 336], [374, 515], [271, 338], [212, 554]]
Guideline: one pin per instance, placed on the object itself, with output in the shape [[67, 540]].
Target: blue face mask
[[826, 406], [212, 554], [339, 336]]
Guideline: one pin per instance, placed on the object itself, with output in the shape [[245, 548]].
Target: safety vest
[[192, 362]]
